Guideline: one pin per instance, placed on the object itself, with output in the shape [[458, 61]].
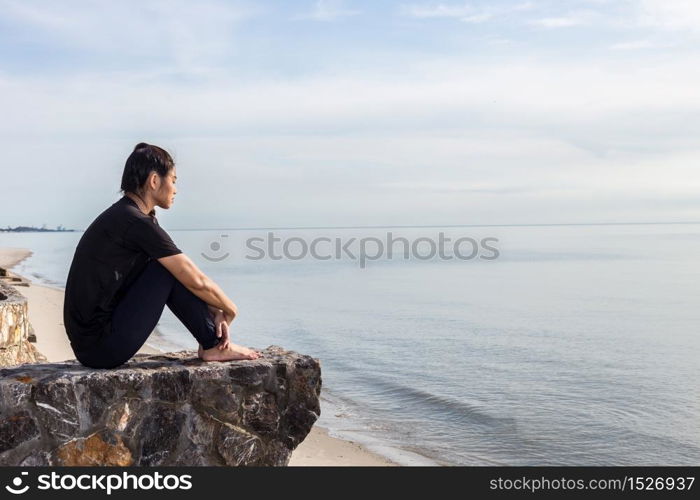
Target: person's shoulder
[[118, 217], [125, 208]]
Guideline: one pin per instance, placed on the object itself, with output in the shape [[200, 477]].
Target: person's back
[[112, 252]]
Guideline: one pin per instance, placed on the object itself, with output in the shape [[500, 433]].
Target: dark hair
[[145, 159]]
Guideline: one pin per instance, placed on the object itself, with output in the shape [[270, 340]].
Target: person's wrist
[[230, 314]]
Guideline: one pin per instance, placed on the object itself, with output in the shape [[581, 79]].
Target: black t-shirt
[[110, 255]]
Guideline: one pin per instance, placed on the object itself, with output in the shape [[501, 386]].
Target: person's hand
[[221, 322]]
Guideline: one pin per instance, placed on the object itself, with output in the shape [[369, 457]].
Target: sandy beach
[[45, 305]]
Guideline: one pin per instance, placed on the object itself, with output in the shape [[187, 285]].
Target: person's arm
[[187, 273]]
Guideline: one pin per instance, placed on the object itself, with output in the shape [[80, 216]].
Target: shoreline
[[45, 308]]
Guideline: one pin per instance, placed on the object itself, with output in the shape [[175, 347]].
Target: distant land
[[32, 229]]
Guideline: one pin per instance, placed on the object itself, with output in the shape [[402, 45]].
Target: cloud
[[566, 21], [465, 12], [635, 45], [449, 93], [672, 15], [457, 187], [175, 33], [477, 18], [439, 10], [329, 10], [558, 22]]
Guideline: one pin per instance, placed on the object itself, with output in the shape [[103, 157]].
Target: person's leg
[[193, 312], [138, 312]]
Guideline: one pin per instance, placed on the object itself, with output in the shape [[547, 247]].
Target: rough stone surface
[[15, 329], [167, 409]]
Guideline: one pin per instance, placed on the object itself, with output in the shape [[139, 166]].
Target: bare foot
[[232, 352]]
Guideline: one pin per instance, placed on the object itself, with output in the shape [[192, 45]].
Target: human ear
[[153, 180]]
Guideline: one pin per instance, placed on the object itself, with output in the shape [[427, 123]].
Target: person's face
[[167, 190]]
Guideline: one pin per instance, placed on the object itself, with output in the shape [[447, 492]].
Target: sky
[[327, 113]]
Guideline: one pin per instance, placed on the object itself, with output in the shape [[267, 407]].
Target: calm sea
[[578, 345]]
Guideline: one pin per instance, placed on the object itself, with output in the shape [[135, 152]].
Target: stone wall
[[171, 409], [15, 329]]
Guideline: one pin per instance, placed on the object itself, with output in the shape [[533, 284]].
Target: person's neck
[[145, 205]]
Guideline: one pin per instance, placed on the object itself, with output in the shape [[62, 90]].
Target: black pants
[[138, 312]]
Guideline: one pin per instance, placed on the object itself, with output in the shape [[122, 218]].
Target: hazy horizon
[[250, 228]]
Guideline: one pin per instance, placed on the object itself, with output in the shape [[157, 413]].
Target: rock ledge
[[167, 409]]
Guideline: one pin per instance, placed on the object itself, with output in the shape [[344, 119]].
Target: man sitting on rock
[[126, 268]]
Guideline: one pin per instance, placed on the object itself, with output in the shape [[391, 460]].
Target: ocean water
[[578, 345]]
